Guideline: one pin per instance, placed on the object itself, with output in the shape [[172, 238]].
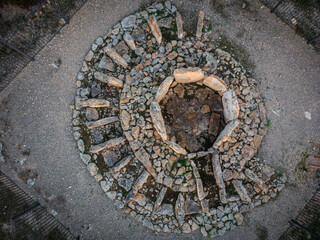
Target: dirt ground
[[35, 117]]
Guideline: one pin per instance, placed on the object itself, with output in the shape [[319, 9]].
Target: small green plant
[[210, 28], [268, 123], [174, 49], [204, 30]]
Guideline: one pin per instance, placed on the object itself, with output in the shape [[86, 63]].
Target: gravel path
[[35, 116]]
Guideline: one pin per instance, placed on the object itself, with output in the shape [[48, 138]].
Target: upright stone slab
[[179, 22], [215, 83], [163, 89], [157, 119], [226, 133], [152, 21], [241, 190], [231, 107], [218, 176], [115, 57], [200, 24], [188, 75]]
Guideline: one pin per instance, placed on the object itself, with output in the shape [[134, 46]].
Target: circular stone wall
[[169, 125]]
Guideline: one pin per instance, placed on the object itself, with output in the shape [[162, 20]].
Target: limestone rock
[[218, 176], [101, 122], [144, 158], [124, 162], [230, 106], [179, 22], [188, 75], [115, 57], [242, 192], [112, 81], [159, 200], [215, 83], [125, 117], [225, 134], [200, 191], [191, 207], [166, 210], [200, 24], [125, 183], [108, 144], [140, 199], [152, 21], [163, 89], [179, 209], [137, 185], [172, 55], [176, 147], [256, 179], [106, 63], [239, 218], [129, 22], [129, 40], [157, 119], [96, 103]]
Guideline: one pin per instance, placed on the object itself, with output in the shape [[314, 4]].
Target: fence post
[[274, 8], [16, 49], [60, 13]]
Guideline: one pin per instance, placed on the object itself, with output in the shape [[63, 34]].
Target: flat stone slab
[[231, 107], [101, 122], [152, 21], [215, 83], [225, 134], [124, 162], [218, 176], [163, 89], [157, 119], [200, 191], [112, 81], [115, 57], [95, 103], [144, 158], [108, 144], [200, 24], [188, 75], [256, 179], [159, 200], [241, 190], [179, 208], [176, 147]]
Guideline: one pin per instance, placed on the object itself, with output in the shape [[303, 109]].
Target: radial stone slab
[[169, 125]]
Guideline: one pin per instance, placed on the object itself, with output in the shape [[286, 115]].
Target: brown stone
[[115, 57], [205, 109], [215, 83], [188, 75], [179, 22], [214, 124], [200, 24], [179, 90], [172, 55], [163, 89], [155, 28], [139, 67]]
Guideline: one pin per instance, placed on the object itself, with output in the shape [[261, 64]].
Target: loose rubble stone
[[129, 22], [179, 209], [124, 162], [152, 21], [191, 207], [176, 147], [165, 210], [137, 185], [129, 40], [239, 218], [188, 75]]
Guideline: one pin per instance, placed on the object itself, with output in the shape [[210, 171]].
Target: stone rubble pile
[[120, 129]]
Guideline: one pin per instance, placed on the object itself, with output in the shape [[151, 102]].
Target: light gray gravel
[[35, 115]]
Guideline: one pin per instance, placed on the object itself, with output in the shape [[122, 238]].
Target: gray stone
[[125, 183], [191, 207], [129, 40], [179, 22], [200, 192], [124, 162], [106, 63], [165, 210], [80, 145], [267, 173], [92, 114], [85, 158], [242, 192], [179, 208], [239, 218], [96, 136], [92, 168], [95, 89], [105, 186], [110, 158], [137, 185], [186, 228], [129, 22], [256, 179], [218, 176], [159, 200]]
